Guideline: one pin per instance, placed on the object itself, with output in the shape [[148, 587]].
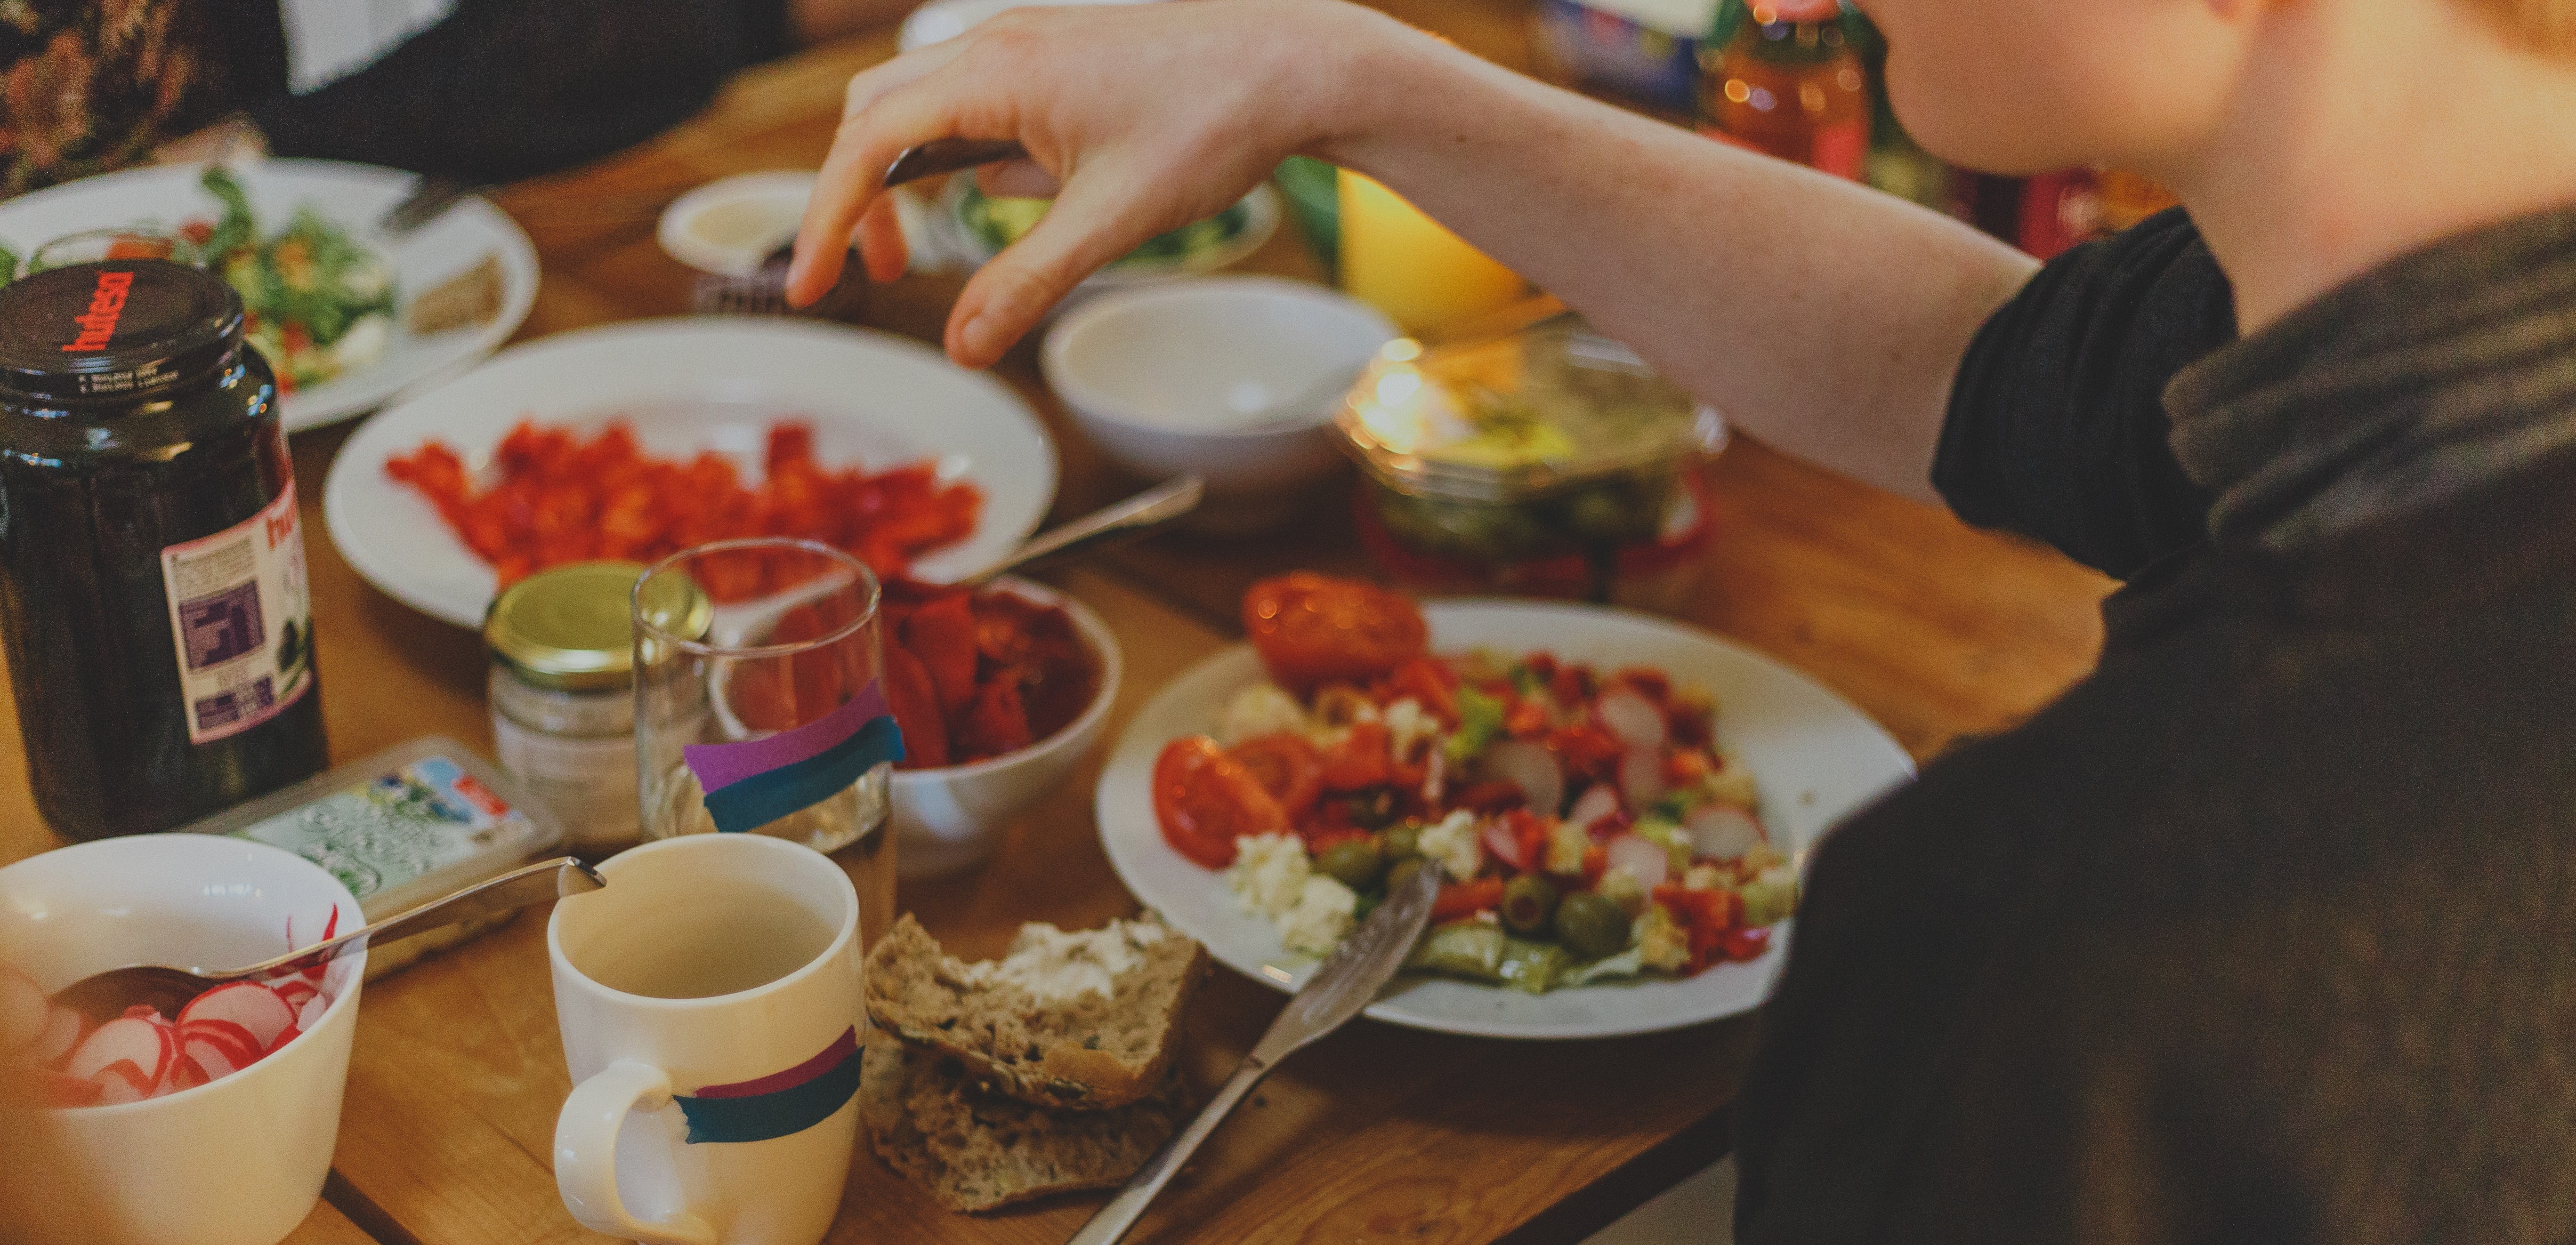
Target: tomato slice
[[1312, 629], [1364, 758], [1287, 767], [1205, 800]]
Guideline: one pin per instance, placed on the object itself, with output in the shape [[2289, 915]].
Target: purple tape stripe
[[723, 765]]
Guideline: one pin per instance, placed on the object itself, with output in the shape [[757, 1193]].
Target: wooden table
[[1935, 630]]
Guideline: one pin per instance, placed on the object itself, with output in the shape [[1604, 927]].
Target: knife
[[1348, 981], [947, 155], [429, 197]]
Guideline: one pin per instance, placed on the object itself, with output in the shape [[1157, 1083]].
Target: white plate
[[686, 385], [352, 196], [1817, 759]]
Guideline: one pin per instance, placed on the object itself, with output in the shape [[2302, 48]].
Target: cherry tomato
[[1287, 767], [1311, 629], [1364, 758], [1458, 900], [1205, 800]]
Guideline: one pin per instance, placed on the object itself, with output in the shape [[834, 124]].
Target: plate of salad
[[348, 317], [965, 227], [1619, 806]]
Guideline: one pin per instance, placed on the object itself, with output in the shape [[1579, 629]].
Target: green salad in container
[[996, 221]]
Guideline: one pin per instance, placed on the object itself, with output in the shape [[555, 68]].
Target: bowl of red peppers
[[1001, 692]]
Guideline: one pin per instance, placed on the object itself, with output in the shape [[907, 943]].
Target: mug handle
[[586, 1155]]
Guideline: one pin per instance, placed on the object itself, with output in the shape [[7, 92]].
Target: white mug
[[710, 1004]]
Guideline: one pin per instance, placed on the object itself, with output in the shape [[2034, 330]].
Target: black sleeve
[[505, 89], [2057, 426]]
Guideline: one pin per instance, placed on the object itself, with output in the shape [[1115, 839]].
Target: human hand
[[1138, 119]]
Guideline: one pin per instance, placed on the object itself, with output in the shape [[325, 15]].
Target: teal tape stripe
[[764, 1117], [763, 798]]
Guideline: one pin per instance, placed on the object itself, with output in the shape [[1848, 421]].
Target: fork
[[764, 291]]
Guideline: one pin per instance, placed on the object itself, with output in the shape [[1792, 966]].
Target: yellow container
[[1409, 266]]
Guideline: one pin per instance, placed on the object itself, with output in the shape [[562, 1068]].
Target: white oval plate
[[690, 384], [1817, 759], [352, 196]]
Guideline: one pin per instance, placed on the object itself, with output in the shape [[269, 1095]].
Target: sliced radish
[[129, 1040], [122, 1082], [1498, 840], [59, 1089], [1633, 718], [311, 1014], [284, 1036], [23, 1009], [184, 1074], [1722, 832], [1532, 768], [63, 1030], [295, 990], [219, 1046], [255, 1007], [1641, 776], [1639, 857], [1596, 802]]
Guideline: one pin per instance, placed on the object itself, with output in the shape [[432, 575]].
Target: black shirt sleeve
[[505, 89], [2057, 427]]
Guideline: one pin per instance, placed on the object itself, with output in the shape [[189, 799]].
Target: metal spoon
[[1348, 981], [1159, 504], [104, 996]]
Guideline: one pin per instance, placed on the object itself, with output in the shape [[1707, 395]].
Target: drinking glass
[[758, 707]]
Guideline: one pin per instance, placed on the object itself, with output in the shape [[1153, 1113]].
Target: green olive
[[1592, 925], [1401, 875], [1354, 863], [1528, 901], [1402, 841]]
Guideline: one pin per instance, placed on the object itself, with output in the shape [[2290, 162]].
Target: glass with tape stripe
[[759, 705]]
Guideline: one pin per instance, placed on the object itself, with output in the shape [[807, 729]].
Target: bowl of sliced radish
[[213, 1126]]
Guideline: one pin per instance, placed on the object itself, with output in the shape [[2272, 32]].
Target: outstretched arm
[[1824, 318]]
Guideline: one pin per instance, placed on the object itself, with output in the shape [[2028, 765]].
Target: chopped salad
[[1586, 823], [318, 303]]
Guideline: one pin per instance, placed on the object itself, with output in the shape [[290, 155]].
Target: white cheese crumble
[[1322, 914], [1261, 709], [1409, 726], [1269, 873], [1454, 843]]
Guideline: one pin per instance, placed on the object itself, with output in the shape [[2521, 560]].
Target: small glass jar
[[1548, 462], [563, 697]]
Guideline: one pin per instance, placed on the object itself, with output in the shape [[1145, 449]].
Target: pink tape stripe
[[723, 765]]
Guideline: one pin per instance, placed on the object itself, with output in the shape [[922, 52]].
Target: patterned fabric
[[92, 85]]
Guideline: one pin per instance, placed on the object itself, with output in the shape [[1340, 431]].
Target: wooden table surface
[[1935, 630]]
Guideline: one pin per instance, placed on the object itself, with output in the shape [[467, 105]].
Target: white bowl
[[1164, 379], [951, 818], [236, 1161], [731, 224]]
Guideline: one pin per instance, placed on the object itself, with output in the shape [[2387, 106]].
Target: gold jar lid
[[570, 627]]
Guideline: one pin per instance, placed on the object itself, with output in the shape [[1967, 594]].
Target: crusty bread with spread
[[976, 1151], [1085, 1021]]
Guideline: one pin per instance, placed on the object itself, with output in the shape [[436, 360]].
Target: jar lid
[[122, 328], [1508, 418], [568, 627]]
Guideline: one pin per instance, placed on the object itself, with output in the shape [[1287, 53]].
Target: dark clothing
[[505, 89], [2266, 931], [2057, 421], [500, 89]]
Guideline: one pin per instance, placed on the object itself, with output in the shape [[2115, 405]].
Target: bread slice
[[975, 1151], [1086, 1021]]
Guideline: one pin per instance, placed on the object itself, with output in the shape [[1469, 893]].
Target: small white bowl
[[730, 225], [951, 818], [236, 1161], [1163, 378]]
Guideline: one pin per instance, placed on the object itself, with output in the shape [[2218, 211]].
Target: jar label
[[241, 616]]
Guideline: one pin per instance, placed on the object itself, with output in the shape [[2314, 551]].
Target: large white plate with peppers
[[1813, 756]]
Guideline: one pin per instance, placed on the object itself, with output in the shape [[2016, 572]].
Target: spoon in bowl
[[102, 997]]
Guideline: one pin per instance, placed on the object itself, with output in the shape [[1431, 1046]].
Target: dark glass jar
[[153, 601]]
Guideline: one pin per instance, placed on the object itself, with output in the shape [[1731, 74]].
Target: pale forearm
[[1825, 318]]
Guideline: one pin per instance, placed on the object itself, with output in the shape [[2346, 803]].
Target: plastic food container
[[1549, 462]]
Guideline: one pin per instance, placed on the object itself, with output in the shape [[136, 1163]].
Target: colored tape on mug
[[781, 1104]]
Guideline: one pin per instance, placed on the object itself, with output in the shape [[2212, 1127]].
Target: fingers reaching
[[1090, 224], [884, 111]]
